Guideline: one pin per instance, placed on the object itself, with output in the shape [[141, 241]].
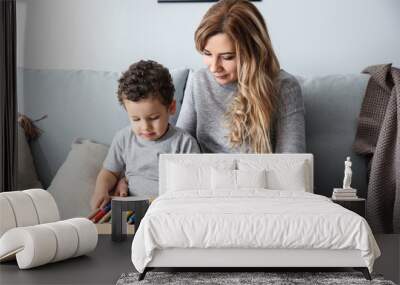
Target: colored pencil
[[93, 213], [101, 213], [105, 218]]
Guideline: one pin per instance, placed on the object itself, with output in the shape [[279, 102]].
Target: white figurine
[[347, 174]]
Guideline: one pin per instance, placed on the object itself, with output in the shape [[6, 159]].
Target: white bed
[[261, 215]]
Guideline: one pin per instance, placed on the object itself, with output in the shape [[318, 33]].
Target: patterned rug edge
[[268, 278]]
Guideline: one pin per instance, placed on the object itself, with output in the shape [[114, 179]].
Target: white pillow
[[184, 175], [251, 178], [225, 179], [291, 175], [74, 183]]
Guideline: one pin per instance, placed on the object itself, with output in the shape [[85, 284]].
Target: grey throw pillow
[[74, 183]]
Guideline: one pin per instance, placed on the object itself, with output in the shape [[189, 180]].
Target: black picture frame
[[193, 1]]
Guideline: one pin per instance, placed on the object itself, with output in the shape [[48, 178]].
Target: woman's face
[[220, 57]]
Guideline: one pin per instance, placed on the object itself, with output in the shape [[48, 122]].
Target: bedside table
[[357, 205]]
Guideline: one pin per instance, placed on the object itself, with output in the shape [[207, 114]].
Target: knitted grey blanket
[[378, 136]]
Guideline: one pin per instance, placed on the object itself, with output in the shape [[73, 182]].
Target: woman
[[242, 102]]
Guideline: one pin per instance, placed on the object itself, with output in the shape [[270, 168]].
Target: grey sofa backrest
[[83, 104], [332, 106], [79, 104]]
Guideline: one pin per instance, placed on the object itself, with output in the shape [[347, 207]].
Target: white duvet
[[253, 218]]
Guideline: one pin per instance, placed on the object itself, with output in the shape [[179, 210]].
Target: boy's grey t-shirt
[[139, 157]]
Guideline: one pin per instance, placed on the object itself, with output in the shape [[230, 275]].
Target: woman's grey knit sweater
[[206, 102]]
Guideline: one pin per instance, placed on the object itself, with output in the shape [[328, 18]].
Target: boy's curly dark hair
[[145, 79]]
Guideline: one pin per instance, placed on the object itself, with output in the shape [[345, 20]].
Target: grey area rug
[[269, 278]]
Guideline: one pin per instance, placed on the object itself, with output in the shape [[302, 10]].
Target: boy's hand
[[106, 180], [99, 200], [122, 188]]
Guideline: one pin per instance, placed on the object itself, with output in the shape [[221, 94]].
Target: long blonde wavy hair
[[251, 112]]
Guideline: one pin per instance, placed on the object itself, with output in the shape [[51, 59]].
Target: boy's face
[[149, 117]]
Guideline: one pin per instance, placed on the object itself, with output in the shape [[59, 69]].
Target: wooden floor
[[111, 259]]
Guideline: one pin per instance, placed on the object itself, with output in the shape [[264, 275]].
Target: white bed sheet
[[252, 218]]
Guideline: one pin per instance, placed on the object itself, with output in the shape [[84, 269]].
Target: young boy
[[146, 91]]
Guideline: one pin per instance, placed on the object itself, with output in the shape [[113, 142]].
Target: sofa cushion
[[74, 183], [332, 105], [179, 77]]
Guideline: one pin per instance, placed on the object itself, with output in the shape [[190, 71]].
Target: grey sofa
[[83, 104]]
